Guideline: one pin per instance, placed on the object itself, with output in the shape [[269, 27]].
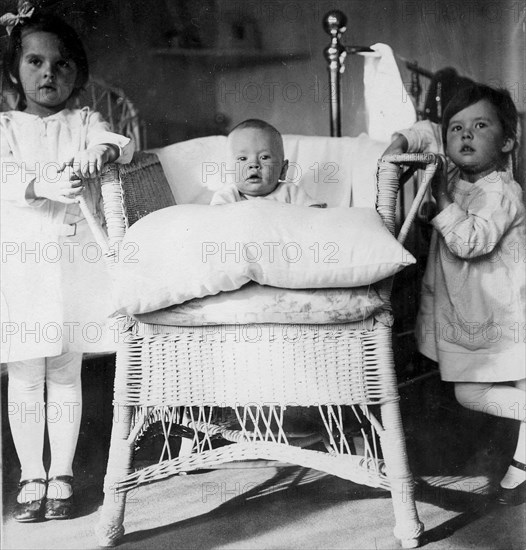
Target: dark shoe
[[29, 512], [515, 496], [59, 508]]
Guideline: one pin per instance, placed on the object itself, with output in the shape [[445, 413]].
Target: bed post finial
[[334, 24]]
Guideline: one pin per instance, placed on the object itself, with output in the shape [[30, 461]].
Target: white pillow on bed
[[189, 251]]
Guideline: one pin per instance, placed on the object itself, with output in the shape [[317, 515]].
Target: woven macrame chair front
[[205, 387]]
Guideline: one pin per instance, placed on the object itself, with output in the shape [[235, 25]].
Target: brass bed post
[[334, 24]]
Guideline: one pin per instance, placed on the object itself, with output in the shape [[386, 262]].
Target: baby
[[256, 149]]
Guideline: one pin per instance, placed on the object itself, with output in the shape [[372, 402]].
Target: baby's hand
[[64, 187], [89, 163]]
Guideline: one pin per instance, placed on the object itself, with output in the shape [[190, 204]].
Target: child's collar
[[492, 177], [59, 115]]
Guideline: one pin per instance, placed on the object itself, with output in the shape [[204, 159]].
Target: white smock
[[54, 280]]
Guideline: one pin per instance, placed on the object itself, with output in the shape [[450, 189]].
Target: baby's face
[[258, 159]]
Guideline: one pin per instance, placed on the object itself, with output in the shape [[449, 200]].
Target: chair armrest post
[[388, 180], [114, 209], [388, 177]]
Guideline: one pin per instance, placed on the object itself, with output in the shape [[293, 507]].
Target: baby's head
[[256, 149], [50, 39], [479, 129]]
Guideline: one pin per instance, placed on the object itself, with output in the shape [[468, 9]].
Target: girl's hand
[[439, 186], [64, 188], [397, 147], [89, 163]]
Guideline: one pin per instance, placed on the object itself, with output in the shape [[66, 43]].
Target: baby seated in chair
[[256, 149]]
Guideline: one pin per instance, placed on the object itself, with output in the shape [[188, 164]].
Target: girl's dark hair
[[499, 98], [72, 48], [444, 85]]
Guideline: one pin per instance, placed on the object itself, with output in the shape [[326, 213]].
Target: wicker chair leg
[[109, 528], [408, 527]]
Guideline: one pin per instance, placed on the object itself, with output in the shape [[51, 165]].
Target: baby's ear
[[284, 168], [508, 146]]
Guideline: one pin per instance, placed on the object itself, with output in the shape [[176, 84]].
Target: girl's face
[[46, 75], [475, 141]]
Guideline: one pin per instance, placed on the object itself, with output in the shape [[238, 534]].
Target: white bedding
[[337, 171], [190, 251]]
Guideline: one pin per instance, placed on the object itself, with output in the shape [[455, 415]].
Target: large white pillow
[[189, 251]]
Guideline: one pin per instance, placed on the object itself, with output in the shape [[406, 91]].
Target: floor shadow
[[261, 509]]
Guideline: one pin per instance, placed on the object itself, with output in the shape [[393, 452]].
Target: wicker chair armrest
[[131, 191], [388, 182]]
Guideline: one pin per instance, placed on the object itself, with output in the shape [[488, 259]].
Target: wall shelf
[[231, 57]]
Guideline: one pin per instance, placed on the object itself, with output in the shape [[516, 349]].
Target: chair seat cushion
[[257, 304], [190, 251]]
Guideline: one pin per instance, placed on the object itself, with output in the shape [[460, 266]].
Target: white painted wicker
[[181, 376]]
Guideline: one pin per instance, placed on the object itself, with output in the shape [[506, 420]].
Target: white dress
[[54, 281], [472, 317]]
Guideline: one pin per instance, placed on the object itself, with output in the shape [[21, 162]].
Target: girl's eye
[[481, 125], [63, 64], [456, 128], [241, 158], [34, 61]]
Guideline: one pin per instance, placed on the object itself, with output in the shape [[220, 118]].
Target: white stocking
[[27, 420], [28, 415], [64, 411], [505, 401]]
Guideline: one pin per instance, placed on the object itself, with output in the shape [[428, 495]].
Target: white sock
[[64, 396], [514, 476], [31, 491], [58, 489], [27, 419]]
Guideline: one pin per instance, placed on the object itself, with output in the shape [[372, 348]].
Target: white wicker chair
[[112, 103], [172, 375]]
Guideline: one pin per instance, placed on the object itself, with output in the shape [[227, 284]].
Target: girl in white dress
[[472, 317], [54, 283]]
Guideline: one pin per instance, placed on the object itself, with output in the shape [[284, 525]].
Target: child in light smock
[[256, 152], [55, 288], [472, 311]]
